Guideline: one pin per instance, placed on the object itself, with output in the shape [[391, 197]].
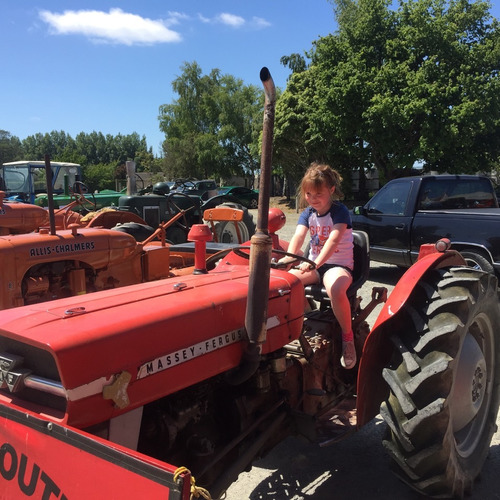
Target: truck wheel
[[226, 230], [477, 261], [444, 382]]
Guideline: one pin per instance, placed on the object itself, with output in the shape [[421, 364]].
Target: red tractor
[[170, 389]]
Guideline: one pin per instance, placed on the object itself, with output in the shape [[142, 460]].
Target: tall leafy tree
[[10, 147], [240, 117], [103, 156], [94, 147], [54, 144], [294, 137], [391, 87], [210, 128], [346, 70], [191, 148]]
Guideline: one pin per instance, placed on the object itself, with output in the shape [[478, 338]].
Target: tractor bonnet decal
[[182, 355], [62, 248]]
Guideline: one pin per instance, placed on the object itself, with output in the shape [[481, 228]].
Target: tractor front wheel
[[444, 382]]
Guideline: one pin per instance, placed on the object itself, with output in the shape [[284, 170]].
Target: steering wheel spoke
[[239, 251], [174, 208]]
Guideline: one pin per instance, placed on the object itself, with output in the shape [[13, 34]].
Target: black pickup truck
[[410, 211]]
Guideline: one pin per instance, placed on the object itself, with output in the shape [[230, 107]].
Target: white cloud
[[230, 20], [235, 21], [204, 19], [260, 22], [175, 18], [114, 27]]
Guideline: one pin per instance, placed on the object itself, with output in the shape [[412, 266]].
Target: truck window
[[432, 194], [443, 194], [392, 199]]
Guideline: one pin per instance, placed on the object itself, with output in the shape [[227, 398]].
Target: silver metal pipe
[[45, 385]]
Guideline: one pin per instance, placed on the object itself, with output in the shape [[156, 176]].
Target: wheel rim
[[473, 263], [228, 233], [473, 385]]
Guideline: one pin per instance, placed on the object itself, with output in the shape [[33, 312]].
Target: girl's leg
[[337, 281], [307, 278]]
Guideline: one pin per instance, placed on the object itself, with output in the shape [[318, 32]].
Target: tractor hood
[[98, 355], [100, 246], [16, 218]]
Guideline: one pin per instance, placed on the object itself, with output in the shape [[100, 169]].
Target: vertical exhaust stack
[[261, 242], [260, 249], [50, 194], [131, 184]]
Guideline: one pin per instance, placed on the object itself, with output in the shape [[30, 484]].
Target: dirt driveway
[[355, 468]]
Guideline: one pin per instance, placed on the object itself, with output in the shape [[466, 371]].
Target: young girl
[[329, 224]]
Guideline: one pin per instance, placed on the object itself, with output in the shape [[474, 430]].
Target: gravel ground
[[355, 468]]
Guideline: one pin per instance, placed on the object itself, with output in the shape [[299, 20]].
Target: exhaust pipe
[[261, 242], [131, 184], [50, 195], [260, 248]]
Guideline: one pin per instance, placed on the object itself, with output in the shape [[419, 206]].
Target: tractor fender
[[378, 348]]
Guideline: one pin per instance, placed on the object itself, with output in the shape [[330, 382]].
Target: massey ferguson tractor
[[169, 389]]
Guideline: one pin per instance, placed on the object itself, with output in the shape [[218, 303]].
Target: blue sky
[[108, 66]]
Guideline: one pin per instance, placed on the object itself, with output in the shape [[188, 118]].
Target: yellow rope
[[196, 491]]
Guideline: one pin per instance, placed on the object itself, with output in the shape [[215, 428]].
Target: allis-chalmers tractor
[[169, 389], [44, 258]]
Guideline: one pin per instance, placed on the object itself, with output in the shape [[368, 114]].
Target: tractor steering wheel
[[82, 200], [69, 215], [296, 258], [79, 188], [78, 191], [171, 203]]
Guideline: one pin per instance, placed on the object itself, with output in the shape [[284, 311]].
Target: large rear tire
[[444, 382]]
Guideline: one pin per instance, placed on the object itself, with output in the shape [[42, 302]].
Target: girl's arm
[[296, 243]]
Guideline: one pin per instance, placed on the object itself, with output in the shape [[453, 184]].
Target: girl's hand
[[304, 267], [286, 260], [279, 264]]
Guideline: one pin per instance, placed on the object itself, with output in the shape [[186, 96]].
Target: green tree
[[210, 129], [10, 147], [240, 117], [393, 87], [294, 145], [100, 176], [93, 146], [296, 62], [55, 144], [100, 155]]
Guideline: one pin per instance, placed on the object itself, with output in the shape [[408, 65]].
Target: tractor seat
[[360, 272]]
